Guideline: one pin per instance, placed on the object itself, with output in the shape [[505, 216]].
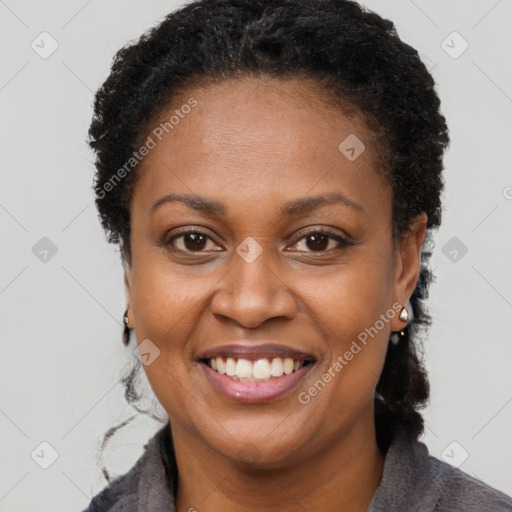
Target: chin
[[262, 446]]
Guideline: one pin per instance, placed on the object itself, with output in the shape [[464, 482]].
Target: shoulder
[[415, 481], [461, 492], [121, 493], [145, 486]]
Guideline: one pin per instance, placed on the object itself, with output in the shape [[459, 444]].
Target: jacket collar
[[409, 482]]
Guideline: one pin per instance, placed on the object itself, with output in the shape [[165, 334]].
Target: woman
[[272, 171]]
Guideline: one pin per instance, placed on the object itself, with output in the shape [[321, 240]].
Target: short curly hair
[[358, 59]]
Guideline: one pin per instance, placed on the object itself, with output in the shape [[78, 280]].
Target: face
[[261, 250]]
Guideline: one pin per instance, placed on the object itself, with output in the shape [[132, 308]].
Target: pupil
[[197, 241], [319, 241]]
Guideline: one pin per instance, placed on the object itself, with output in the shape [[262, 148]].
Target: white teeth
[[276, 368], [243, 369], [230, 367], [288, 366], [260, 370]]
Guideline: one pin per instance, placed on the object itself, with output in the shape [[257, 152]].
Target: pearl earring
[[395, 336]]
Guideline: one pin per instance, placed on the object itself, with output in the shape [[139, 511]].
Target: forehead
[[253, 139]]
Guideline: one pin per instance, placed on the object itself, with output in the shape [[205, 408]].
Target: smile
[[255, 373], [261, 370]]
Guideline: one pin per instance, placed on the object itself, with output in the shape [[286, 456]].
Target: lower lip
[[255, 392]]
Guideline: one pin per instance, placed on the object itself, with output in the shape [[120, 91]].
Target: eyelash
[[342, 241]]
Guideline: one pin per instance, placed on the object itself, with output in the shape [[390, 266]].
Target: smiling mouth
[[260, 370]]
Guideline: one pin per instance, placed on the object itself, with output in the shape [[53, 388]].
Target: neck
[[342, 476]]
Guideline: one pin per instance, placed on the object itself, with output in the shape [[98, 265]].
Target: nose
[[253, 293]]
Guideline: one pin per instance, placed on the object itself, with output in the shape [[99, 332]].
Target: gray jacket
[[413, 481]]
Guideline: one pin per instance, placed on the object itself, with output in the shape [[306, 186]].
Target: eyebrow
[[291, 208], [307, 204], [195, 202]]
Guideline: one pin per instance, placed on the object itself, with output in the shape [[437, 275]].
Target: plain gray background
[[60, 324]]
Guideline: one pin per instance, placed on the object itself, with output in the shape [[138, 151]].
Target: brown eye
[[194, 241], [317, 242], [190, 241], [322, 241]]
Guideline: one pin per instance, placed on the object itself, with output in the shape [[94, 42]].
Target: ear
[[128, 286], [407, 267], [127, 282]]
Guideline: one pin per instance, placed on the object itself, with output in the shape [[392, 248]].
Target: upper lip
[[254, 351]]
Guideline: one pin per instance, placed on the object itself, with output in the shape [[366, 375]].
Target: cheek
[[164, 300], [165, 305], [353, 312], [351, 298]]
